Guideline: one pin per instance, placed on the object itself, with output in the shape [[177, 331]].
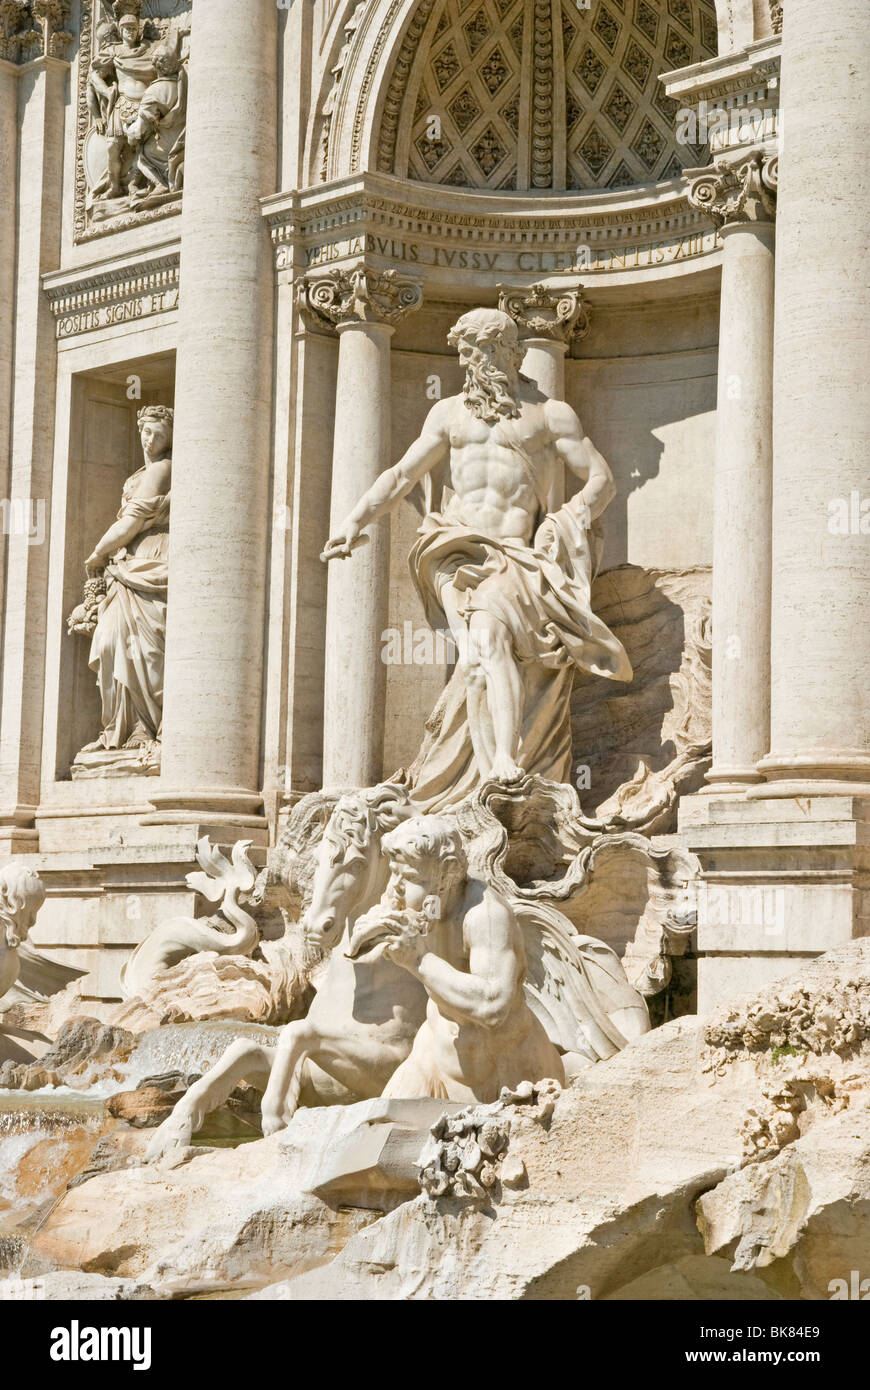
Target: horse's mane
[[360, 815]]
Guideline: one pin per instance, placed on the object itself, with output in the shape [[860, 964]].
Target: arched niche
[[525, 94]]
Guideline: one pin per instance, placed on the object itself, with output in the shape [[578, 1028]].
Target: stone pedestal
[[780, 880], [547, 320], [111, 877], [221, 457], [364, 308], [740, 198]]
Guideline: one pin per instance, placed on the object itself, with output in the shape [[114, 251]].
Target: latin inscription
[[583, 257], [107, 315]]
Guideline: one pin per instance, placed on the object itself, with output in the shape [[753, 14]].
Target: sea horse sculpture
[[172, 941], [368, 1011], [364, 1016]]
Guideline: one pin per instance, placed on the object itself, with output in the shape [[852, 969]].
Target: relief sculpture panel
[[132, 112]]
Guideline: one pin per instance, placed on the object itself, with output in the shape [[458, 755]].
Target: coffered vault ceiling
[[544, 94]]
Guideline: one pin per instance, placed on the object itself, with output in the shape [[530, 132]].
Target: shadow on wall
[[644, 385], [664, 451]]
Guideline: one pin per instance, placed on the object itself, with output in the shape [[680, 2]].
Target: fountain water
[[46, 1139], [189, 1048]]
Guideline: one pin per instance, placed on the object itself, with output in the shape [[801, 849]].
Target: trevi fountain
[[434, 718]]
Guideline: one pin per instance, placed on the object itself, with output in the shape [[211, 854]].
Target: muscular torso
[[493, 490], [134, 69], [464, 1048]]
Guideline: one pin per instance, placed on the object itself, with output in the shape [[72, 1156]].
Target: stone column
[[33, 98], [820, 639], [8, 211], [219, 528], [547, 319], [364, 308], [740, 198]]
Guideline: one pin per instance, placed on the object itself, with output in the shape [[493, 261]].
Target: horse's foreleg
[[244, 1060], [285, 1080]]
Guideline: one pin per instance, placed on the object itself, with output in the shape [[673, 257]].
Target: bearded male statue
[[511, 582]]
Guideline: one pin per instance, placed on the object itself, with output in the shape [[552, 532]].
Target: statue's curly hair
[[432, 839], [22, 893], [163, 414], [483, 326]]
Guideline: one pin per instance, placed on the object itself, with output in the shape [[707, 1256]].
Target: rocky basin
[[726, 1157]]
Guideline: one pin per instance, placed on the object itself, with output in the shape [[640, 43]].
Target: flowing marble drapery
[[127, 649], [542, 594]]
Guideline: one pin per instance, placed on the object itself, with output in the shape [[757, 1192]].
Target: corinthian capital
[[51, 16], [740, 191], [18, 33], [541, 312], [32, 29], [359, 295]]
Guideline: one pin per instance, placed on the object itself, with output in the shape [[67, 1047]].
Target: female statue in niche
[[124, 610]]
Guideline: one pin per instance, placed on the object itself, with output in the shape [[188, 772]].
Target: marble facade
[[294, 229]]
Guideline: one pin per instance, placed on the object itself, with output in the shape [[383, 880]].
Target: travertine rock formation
[[82, 1045], [639, 1183]]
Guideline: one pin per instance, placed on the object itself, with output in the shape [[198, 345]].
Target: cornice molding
[[101, 295], [731, 75], [399, 221]]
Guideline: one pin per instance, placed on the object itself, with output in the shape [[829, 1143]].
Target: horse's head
[[349, 865]]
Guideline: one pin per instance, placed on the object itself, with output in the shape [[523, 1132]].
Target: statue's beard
[[489, 391]]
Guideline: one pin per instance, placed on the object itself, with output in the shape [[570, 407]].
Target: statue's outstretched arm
[[430, 449]]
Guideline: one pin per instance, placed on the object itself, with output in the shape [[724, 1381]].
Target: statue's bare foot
[[139, 738], [504, 769], [171, 1138]]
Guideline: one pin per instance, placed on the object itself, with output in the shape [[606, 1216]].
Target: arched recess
[[520, 94], [366, 49]]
